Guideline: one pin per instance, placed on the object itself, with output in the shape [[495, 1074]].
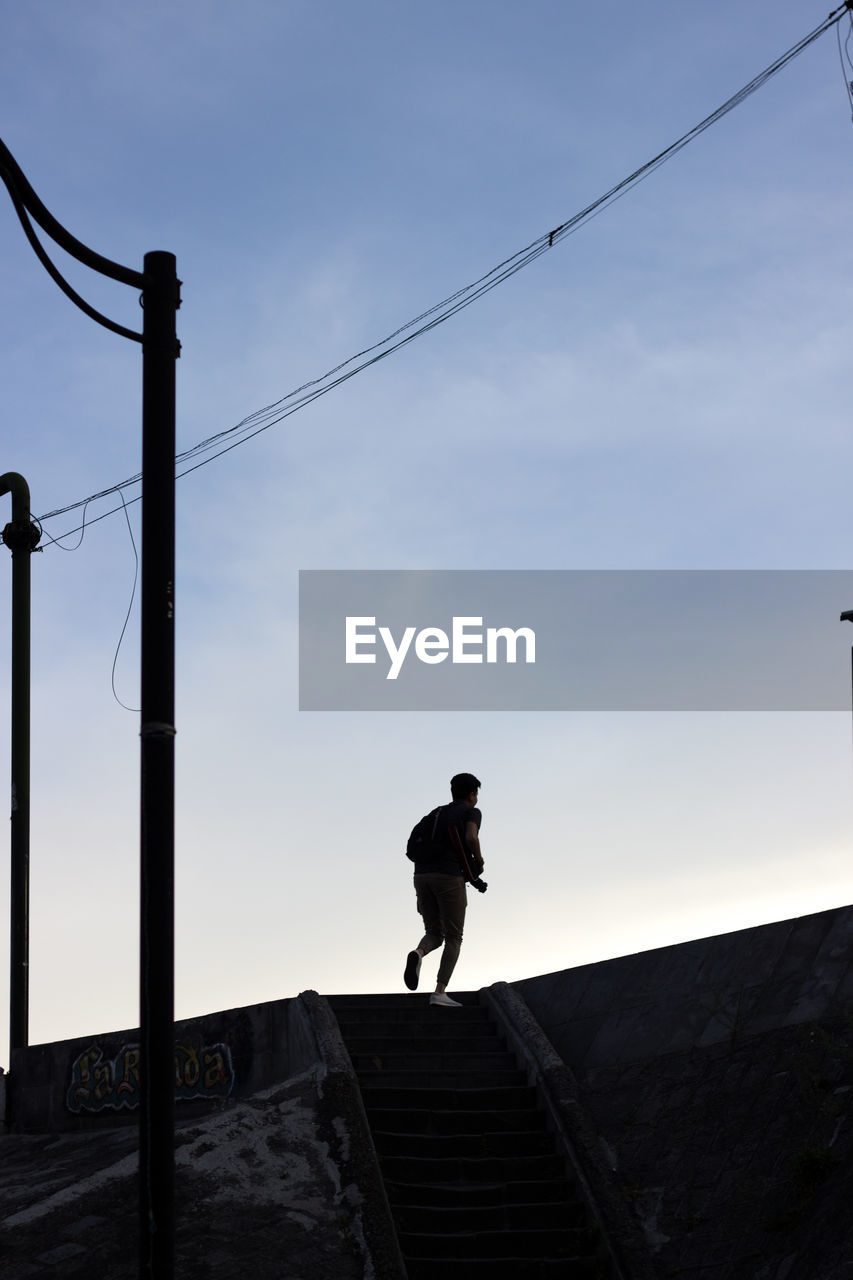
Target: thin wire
[[846, 71], [136, 710], [81, 528], [262, 419], [87, 524], [103, 493]]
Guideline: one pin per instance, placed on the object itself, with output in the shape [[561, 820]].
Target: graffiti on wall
[[112, 1084]]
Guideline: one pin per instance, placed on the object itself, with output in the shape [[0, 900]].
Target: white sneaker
[[444, 1000]]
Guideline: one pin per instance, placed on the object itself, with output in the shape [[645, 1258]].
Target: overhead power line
[[222, 442]]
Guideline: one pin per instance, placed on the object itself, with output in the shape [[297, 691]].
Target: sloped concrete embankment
[[275, 1179], [719, 1072]]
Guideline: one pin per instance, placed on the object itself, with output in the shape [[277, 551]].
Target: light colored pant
[[442, 900]]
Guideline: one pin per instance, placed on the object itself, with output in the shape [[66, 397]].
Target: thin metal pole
[[21, 536], [160, 299]]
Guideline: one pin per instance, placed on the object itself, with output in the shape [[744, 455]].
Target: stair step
[[412, 1011], [507, 1268], [403, 1000], [454, 1195], [439, 1061], [423, 1120], [424, 1024], [379, 1092], [439, 1081], [433, 1219], [545, 1243], [444, 1145], [430, 1169], [481, 1040]]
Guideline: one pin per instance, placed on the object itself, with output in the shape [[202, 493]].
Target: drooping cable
[[846, 62], [26, 204], [59, 279], [136, 710]]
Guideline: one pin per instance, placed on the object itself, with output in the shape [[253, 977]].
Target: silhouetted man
[[440, 886]]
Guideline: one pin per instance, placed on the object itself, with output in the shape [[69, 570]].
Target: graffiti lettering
[[99, 1083]]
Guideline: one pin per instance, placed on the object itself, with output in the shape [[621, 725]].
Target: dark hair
[[462, 784]]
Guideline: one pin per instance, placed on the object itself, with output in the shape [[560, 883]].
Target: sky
[[668, 388]]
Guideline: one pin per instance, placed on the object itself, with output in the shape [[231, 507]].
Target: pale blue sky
[[669, 388]]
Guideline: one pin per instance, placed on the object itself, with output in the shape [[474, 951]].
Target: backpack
[[423, 837]]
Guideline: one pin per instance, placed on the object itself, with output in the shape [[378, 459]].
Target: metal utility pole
[[847, 616], [157, 774], [160, 297], [21, 536]]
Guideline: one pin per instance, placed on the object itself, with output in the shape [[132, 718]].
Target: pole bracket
[[157, 729], [21, 535]]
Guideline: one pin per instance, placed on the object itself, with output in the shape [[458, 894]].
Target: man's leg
[[430, 910], [434, 935], [452, 902]]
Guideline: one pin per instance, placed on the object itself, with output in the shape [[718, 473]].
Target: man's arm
[[472, 839]]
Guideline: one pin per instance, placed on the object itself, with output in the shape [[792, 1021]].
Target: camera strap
[[456, 841]]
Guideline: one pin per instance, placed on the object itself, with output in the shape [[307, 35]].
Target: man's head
[[463, 784]]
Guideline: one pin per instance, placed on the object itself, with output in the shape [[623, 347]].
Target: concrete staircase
[[476, 1184]]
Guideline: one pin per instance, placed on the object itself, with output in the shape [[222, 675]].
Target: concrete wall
[[627, 1010], [697, 994], [717, 1075], [93, 1080]]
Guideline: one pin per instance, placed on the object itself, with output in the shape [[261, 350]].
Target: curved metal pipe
[[21, 191]]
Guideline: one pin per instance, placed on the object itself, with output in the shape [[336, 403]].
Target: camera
[[479, 885]]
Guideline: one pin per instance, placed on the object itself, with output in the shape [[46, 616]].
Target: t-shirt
[[443, 856]]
